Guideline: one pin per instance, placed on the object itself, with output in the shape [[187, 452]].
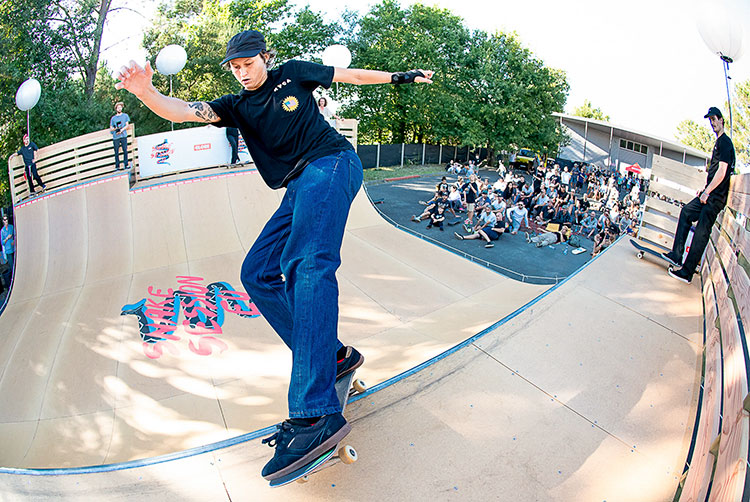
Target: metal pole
[[424, 147], [377, 158], [729, 98], [402, 154], [440, 155], [170, 95]]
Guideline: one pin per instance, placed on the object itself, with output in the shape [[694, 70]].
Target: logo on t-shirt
[[290, 104]]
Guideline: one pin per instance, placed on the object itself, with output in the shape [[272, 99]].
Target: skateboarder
[[705, 208], [290, 271]]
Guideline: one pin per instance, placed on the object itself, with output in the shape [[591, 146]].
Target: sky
[[643, 62]]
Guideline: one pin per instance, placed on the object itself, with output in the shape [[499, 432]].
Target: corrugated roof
[[634, 135]]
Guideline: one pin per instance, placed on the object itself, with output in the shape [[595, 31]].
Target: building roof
[[634, 135]]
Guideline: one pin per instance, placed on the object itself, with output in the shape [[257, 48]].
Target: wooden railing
[[70, 162], [85, 158], [672, 184], [719, 457]]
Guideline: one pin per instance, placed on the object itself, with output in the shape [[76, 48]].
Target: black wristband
[[405, 77]]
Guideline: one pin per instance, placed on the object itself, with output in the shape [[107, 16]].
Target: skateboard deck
[[346, 387], [647, 249]]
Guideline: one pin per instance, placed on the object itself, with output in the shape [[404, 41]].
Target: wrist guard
[[405, 77]]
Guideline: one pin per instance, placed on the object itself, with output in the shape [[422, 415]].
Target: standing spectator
[[471, 192], [8, 245], [565, 177], [326, 112], [118, 127], [233, 136], [29, 153], [705, 208]]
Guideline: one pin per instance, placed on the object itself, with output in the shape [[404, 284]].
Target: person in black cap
[[290, 271], [706, 206]]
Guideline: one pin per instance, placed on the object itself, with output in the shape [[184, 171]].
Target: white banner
[[186, 149]]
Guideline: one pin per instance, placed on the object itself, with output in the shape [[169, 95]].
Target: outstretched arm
[[363, 77], [137, 80]]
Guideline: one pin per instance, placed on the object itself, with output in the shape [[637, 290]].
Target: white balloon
[[338, 56], [171, 59], [721, 28], [27, 95]]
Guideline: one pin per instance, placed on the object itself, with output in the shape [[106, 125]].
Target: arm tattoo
[[204, 112]]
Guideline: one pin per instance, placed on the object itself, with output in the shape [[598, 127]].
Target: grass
[[381, 173]]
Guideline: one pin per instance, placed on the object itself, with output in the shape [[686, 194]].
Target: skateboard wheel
[[640, 255], [303, 480], [359, 386], [348, 454]]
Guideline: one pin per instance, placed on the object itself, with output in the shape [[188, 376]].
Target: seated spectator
[[484, 229], [588, 225], [539, 202], [604, 238], [517, 215], [454, 200], [548, 238], [437, 219], [545, 214], [527, 194]]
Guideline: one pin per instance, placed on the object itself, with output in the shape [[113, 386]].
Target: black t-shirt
[[280, 121], [723, 152], [471, 190], [27, 152]]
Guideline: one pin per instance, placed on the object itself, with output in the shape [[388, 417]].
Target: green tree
[[695, 135], [203, 28], [587, 110], [741, 117]]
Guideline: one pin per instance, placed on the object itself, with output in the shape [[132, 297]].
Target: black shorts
[[491, 234]]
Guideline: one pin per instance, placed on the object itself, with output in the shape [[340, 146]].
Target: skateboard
[[647, 249], [346, 387]]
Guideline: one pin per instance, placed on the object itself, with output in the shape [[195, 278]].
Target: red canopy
[[635, 168]]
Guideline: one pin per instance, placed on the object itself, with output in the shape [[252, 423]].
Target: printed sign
[[186, 149], [204, 307]]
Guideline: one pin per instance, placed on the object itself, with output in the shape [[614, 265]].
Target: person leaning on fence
[[706, 206], [118, 127], [29, 153]]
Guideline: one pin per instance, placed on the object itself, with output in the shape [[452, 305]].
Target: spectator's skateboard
[[647, 249], [346, 387]]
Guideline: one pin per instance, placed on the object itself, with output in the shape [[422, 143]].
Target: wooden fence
[[717, 465], [672, 184], [85, 158], [70, 162]]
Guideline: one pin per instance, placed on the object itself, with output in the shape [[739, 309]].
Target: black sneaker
[[351, 360], [297, 444], [671, 259], [458, 236], [429, 225], [489, 245], [681, 275]]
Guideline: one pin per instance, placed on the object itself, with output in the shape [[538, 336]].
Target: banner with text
[[186, 149]]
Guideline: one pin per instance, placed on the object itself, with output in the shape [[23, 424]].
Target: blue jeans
[[121, 144], [302, 241]]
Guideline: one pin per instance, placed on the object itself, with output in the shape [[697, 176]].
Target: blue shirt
[[119, 121], [8, 247]]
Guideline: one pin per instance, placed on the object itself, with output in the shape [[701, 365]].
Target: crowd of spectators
[[550, 204]]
